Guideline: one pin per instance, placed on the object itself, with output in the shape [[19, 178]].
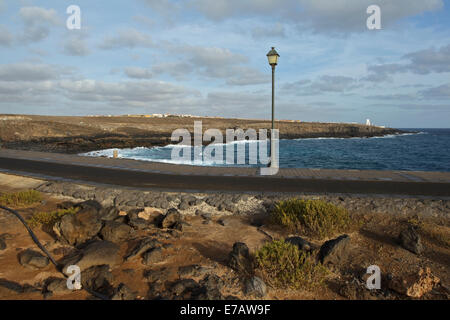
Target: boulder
[[98, 279], [410, 240], [255, 286], [301, 243], [335, 251], [115, 231], [76, 229], [2, 244], [240, 260], [142, 246], [171, 218], [109, 213], [33, 259], [94, 254], [152, 256], [194, 270], [57, 285], [416, 284]]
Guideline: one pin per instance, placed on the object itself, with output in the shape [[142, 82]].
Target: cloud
[[420, 62], [127, 38], [125, 93], [437, 93], [273, 31], [211, 62], [38, 22], [75, 45], [138, 73], [31, 72], [6, 38], [318, 15], [324, 84]]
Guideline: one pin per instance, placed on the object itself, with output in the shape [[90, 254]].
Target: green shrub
[[22, 198], [316, 218], [49, 218], [283, 265]]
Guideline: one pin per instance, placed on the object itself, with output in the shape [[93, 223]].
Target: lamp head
[[272, 56]]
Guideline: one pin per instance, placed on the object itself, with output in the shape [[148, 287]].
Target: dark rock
[[9, 288], [94, 254], [92, 204], [142, 246], [33, 259], [152, 256], [210, 288], [123, 293], [240, 260], [98, 279], [410, 240], [156, 275], [255, 286], [183, 285], [109, 213], [138, 223], [194, 270], [57, 285], [183, 205], [171, 218], [2, 244], [335, 251], [115, 231], [77, 228], [301, 243]]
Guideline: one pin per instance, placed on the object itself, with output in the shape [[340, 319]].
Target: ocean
[[426, 150]]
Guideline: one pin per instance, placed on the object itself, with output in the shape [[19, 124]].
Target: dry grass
[[49, 218], [316, 218], [21, 198], [283, 265]]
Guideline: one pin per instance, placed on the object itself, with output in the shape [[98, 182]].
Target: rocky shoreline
[[83, 134]]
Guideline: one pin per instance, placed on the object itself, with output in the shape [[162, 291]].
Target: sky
[[208, 58]]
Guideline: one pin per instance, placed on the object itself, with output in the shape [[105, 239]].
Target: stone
[[255, 286], [410, 240], [240, 260], [301, 243], [77, 228], [416, 284], [335, 251], [57, 286], [210, 288], [156, 275], [109, 213], [152, 256], [138, 223], [2, 244], [171, 218], [94, 254], [115, 231], [194, 270], [183, 285], [123, 292], [183, 205], [98, 279], [33, 259], [9, 288], [92, 204], [141, 247]]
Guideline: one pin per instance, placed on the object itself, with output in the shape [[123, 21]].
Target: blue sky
[[207, 57]]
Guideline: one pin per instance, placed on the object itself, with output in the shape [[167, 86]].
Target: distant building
[[368, 122]]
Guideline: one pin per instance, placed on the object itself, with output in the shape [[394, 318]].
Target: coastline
[[73, 135]]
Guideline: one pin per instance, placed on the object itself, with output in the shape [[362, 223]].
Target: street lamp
[[272, 56]]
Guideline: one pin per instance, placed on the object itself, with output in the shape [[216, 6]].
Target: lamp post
[[272, 56]]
